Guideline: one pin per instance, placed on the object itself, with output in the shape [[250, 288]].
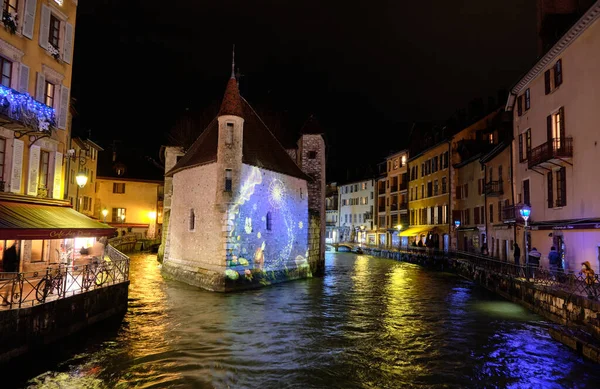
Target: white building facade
[[356, 202]]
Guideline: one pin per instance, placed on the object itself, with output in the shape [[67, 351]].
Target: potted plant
[[10, 21]]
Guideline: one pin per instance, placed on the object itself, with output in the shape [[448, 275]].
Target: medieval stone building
[[242, 211]]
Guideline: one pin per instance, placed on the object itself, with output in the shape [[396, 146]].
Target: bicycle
[[95, 274], [49, 284]]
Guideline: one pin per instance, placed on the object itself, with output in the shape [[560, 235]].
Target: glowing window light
[[59, 2]]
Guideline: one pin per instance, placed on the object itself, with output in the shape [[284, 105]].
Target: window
[[422, 191], [476, 215], [561, 187], [118, 187], [429, 189], [435, 187], [192, 221], [444, 185], [404, 160], [37, 251], [6, 67], [550, 189], [312, 155], [228, 182], [54, 36], [445, 214], [11, 6], [2, 156], [118, 215], [229, 135], [43, 171], [527, 99], [524, 145], [519, 105], [49, 94], [553, 78], [526, 198], [491, 213], [396, 163], [500, 210], [555, 127]]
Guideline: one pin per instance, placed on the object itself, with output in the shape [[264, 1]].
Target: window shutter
[[44, 26], [24, 78], [550, 190], [520, 105], [561, 112], [17, 166], [549, 128], [29, 18], [40, 87], [558, 73], [547, 81], [520, 147], [34, 168], [526, 198], [563, 186], [56, 189], [68, 46], [64, 107]]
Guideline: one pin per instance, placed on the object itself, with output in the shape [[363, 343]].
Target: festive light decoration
[[23, 108]]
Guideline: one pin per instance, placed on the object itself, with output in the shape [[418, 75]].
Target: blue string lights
[[25, 109]]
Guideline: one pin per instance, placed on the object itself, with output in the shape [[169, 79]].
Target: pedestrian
[[517, 254], [534, 261], [11, 259], [590, 279], [484, 249], [553, 259]]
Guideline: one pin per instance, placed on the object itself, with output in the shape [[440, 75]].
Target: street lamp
[[457, 224], [81, 180], [104, 213], [525, 212]]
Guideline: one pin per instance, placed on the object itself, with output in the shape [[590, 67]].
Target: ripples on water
[[369, 323]]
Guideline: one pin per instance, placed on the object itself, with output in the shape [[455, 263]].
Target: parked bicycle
[[52, 282], [95, 273]]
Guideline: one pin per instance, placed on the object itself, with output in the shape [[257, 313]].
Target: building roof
[[592, 14], [232, 104], [260, 147], [133, 162]]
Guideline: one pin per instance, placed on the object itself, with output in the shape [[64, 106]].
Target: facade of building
[[82, 160], [36, 53], [331, 213], [470, 204], [555, 143], [243, 213], [429, 197], [356, 200], [396, 197]]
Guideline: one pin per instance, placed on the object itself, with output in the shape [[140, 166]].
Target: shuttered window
[[54, 34], [526, 198], [558, 78], [547, 86], [6, 68], [550, 184], [561, 187]]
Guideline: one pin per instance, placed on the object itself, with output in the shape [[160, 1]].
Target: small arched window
[[269, 221]]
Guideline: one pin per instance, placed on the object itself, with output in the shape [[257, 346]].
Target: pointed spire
[[232, 102], [233, 62]]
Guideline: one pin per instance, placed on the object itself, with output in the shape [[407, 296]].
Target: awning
[[414, 231], [39, 221]]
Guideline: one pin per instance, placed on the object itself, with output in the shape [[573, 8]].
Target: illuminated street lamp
[[81, 180], [104, 213], [525, 212], [457, 224]]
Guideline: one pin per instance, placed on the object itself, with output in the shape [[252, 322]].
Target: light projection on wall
[[254, 247]]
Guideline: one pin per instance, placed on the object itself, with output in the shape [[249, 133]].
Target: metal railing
[[494, 188], [554, 148], [59, 281]]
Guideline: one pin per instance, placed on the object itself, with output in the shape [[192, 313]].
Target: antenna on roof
[[233, 62]]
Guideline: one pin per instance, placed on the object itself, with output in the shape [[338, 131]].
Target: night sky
[[366, 70]]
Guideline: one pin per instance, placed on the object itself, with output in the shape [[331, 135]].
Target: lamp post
[[104, 213], [457, 224], [525, 212], [81, 180]]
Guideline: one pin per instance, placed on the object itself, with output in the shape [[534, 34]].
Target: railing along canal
[[557, 279], [59, 281]]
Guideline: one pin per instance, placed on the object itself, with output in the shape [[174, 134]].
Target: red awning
[[27, 221]]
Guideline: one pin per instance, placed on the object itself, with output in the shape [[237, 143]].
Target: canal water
[[369, 323]]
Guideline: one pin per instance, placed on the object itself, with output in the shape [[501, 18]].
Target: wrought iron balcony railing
[[512, 213], [24, 109], [494, 188], [555, 148]]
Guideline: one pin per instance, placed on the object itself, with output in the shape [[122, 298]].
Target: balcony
[[512, 213], [26, 116], [330, 224], [494, 188], [551, 152], [404, 186]]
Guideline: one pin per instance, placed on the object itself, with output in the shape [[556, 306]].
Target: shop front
[[37, 233]]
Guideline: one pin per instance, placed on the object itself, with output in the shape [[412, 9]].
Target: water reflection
[[369, 323]]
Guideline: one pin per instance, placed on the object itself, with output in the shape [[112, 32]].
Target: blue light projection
[[23, 108], [267, 226]]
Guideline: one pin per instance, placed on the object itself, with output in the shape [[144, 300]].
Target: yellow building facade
[[429, 197], [130, 205], [82, 160]]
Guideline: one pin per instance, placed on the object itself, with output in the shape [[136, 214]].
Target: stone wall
[[317, 265], [23, 330]]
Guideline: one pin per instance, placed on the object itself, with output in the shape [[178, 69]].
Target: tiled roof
[[231, 104], [260, 148]]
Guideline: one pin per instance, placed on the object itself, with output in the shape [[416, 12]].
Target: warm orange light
[[152, 215]]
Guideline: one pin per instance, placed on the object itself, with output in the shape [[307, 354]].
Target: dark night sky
[[368, 68]]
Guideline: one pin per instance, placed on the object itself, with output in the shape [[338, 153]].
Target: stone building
[[242, 212]]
